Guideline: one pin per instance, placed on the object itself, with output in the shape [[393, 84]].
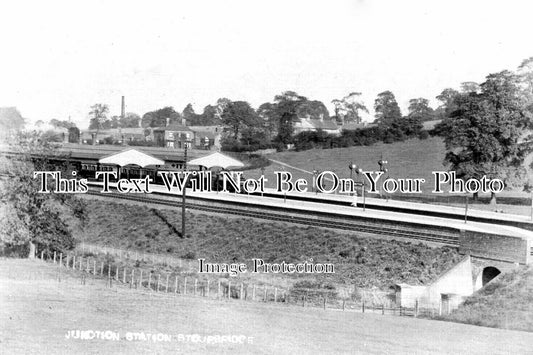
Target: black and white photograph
[[266, 177]]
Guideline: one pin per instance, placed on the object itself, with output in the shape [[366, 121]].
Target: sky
[[61, 57]]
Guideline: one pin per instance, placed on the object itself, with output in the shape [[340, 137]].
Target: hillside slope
[[506, 302], [412, 158], [359, 260]]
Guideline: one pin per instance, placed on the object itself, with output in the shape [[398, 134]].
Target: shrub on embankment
[[506, 302], [359, 261]]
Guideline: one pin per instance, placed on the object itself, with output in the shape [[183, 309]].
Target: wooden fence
[[221, 288]]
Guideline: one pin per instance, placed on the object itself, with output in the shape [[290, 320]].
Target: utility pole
[[184, 190]]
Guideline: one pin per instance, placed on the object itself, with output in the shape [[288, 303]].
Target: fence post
[[60, 259], [74, 261], [343, 304], [42, 254], [363, 306], [176, 285], [124, 276], [54, 257], [185, 286], [303, 301], [195, 286], [166, 287], [141, 278], [382, 309], [229, 290], [116, 273], [150, 281], [416, 308], [325, 302], [132, 277], [94, 267], [88, 267], [158, 281]]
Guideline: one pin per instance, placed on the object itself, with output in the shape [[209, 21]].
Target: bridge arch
[[488, 274]]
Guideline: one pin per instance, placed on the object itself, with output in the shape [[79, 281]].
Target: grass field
[[409, 159], [359, 260], [36, 312]]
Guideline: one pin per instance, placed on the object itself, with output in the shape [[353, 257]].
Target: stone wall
[[491, 246]]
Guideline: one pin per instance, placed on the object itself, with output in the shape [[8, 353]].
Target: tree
[[469, 86], [220, 106], [10, 119], [35, 219], [314, 109], [482, 133], [387, 109], [286, 112], [419, 108], [98, 115], [111, 123], [130, 120], [267, 113], [352, 105], [238, 115], [188, 113], [61, 124], [340, 110], [159, 118], [207, 118], [447, 97]]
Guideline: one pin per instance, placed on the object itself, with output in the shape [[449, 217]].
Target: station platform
[[259, 201], [417, 206]]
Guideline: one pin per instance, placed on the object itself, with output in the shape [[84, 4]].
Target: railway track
[[385, 228]]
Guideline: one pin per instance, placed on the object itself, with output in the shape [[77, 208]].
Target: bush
[[190, 255], [138, 143], [423, 135], [313, 289]]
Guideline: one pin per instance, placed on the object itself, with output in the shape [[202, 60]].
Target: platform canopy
[[216, 160], [131, 157]]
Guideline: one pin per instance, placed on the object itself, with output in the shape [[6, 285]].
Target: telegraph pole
[[184, 192]]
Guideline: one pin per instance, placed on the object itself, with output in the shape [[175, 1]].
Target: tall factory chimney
[[123, 111]]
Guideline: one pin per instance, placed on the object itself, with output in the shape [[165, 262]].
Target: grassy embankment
[[506, 302], [360, 261], [410, 159]]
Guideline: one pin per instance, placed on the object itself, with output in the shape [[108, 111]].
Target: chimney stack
[[123, 111]]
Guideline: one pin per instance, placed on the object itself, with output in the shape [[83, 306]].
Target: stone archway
[[488, 274]]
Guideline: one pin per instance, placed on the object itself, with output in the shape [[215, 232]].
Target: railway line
[[441, 213], [424, 233]]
